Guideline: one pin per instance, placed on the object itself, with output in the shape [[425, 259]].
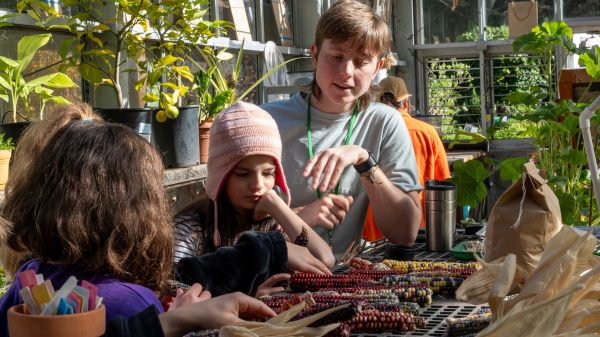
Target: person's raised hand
[[194, 294], [300, 259], [268, 286], [327, 212], [327, 166]]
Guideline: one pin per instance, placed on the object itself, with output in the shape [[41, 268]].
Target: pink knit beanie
[[240, 131]]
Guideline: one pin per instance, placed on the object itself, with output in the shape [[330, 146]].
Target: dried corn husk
[[280, 325], [541, 319], [476, 289], [569, 249], [560, 298]]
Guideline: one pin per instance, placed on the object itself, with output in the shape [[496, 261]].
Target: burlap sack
[[523, 221]]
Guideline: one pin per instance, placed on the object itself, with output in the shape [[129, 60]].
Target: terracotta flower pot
[[204, 130], [87, 324]]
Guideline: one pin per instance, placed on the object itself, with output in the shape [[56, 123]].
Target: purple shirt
[[120, 298]]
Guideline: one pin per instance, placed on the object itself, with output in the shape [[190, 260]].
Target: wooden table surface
[[464, 155]]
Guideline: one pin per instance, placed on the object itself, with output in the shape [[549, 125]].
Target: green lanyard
[[346, 140]]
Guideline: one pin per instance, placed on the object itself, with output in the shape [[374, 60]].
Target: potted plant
[[17, 90], [167, 79], [6, 147], [105, 36], [216, 89]]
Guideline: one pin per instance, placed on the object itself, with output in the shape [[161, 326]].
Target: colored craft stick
[[77, 299], [64, 308], [49, 287], [32, 307], [27, 278], [84, 294], [41, 294], [99, 301], [50, 309], [72, 304], [93, 292]]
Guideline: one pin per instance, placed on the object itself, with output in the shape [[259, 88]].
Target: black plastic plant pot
[[177, 139], [14, 130], [400, 252], [139, 119]]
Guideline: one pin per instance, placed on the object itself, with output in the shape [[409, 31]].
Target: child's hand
[[300, 259], [265, 204], [268, 287], [192, 295]]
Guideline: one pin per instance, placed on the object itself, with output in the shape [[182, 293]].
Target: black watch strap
[[366, 165]]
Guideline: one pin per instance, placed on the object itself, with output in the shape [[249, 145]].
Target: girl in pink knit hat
[[247, 190]]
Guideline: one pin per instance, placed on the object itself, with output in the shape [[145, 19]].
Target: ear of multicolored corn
[[470, 324], [439, 285], [456, 269], [302, 282]]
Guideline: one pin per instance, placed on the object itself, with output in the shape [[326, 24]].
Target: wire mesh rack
[[442, 308]]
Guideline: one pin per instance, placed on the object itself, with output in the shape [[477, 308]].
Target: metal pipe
[[585, 125]]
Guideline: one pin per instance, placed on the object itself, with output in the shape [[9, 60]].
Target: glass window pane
[[280, 33], [581, 8], [444, 23], [224, 12], [497, 17], [383, 8], [8, 4], [46, 56], [248, 75], [453, 98]]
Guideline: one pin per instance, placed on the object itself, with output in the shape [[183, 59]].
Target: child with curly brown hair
[[92, 205]]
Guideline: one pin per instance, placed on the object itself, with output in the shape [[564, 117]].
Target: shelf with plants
[[553, 126]]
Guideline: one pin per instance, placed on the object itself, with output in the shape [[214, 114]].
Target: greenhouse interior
[[299, 168]]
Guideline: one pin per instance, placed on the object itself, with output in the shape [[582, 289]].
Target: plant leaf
[[512, 168], [28, 46], [90, 73], [469, 179], [54, 80], [10, 62], [591, 62]]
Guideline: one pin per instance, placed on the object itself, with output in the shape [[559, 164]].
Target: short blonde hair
[[349, 20]]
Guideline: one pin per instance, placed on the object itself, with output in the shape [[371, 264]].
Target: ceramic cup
[[87, 324]]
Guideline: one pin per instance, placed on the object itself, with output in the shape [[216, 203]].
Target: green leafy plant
[[470, 177], [105, 36], [555, 124], [6, 144], [164, 73], [3, 285], [215, 88], [15, 88]]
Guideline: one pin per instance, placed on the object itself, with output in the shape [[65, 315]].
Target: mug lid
[[433, 184]]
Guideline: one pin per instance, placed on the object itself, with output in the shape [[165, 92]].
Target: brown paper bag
[[522, 221], [522, 16]]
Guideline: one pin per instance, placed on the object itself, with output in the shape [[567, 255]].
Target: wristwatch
[[367, 165]]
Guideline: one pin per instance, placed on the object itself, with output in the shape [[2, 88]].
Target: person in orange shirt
[[429, 150]]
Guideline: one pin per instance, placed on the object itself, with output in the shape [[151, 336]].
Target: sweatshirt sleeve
[[242, 267], [145, 323]]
